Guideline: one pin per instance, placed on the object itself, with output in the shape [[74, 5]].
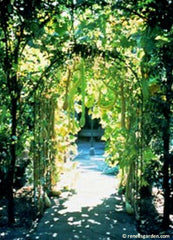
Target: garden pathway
[[94, 212]]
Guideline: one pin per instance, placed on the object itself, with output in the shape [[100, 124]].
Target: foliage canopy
[[59, 57]]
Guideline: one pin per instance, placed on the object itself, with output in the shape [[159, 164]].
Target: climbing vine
[[59, 59]]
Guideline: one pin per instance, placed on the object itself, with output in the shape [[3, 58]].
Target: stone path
[[94, 212]]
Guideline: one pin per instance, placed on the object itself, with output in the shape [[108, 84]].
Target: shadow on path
[[94, 212], [106, 221]]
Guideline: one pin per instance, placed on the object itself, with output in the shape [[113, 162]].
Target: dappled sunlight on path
[[94, 212], [91, 189]]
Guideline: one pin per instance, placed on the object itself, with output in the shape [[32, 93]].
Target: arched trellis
[[13, 45], [72, 96]]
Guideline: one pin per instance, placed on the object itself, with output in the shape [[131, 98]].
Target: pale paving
[[94, 212]]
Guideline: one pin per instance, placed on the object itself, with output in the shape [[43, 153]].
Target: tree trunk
[[166, 143], [166, 187], [11, 218]]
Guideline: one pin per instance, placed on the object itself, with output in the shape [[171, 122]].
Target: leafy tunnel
[[61, 59]]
